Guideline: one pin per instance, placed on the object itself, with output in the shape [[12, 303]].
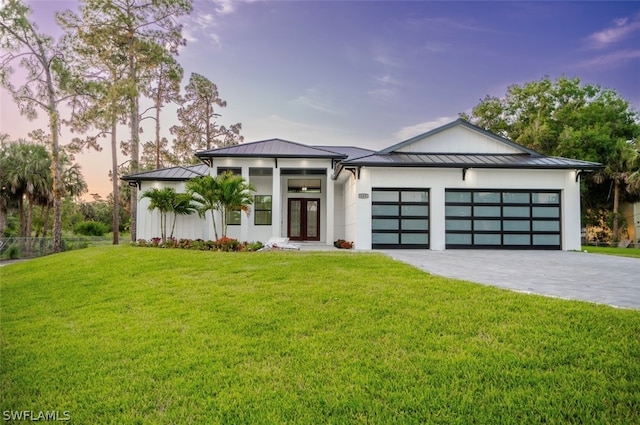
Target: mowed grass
[[621, 252], [122, 335]]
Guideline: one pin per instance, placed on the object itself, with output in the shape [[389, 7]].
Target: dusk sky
[[371, 74]]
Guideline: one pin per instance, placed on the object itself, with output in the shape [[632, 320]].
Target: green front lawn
[[621, 252], [122, 335]]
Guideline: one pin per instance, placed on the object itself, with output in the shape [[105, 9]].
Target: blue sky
[[372, 74]]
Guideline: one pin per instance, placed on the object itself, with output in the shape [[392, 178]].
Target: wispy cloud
[[224, 7], [436, 47], [201, 24], [386, 60], [620, 30], [382, 95], [612, 58], [413, 130], [314, 99], [446, 24]]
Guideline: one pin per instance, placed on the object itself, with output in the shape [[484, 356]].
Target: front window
[[234, 217], [262, 209]]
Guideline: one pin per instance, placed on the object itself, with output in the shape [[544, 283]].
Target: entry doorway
[[303, 223]]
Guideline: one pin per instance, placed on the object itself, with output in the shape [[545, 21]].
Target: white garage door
[[502, 219]]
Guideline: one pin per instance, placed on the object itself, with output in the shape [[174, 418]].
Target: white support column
[[244, 220], [363, 210], [330, 208], [276, 204], [437, 233]]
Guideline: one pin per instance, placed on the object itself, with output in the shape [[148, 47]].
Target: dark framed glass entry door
[[303, 223]]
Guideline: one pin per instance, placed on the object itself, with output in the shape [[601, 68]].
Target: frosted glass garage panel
[[457, 225], [516, 212], [384, 196], [480, 239], [552, 212], [545, 198], [415, 210], [517, 239], [392, 210], [415, 225], [546, 239], [458, 211], [516, 225], [546, 226], [515, 198], [486, 197], [384, 238], [415, 238], [415, 196], [487, 224], [486, 211], [384, 224], [457, 196], [458, 239]]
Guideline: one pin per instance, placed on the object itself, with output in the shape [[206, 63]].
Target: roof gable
[[272, 148], [459, 137]]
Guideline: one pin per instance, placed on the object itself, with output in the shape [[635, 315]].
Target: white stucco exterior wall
[[438, 180]]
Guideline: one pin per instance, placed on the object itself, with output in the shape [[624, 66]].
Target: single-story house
[[457, 186]]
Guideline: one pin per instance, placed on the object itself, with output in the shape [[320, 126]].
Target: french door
[[303, 223]]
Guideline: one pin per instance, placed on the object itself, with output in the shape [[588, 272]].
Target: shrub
[[254, 246], [91, 228]]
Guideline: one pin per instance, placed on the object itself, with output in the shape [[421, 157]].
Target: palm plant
[[620, 169], [223, 193], [181, 205], [205, 192], [162, 200], [234, 196]]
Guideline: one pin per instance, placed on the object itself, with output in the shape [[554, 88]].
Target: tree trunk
[[616, 206], [115, 218], [56, 166], [23, 219], [3, 217], [215, 228], [135, 156], [158, 106], [45, 225]]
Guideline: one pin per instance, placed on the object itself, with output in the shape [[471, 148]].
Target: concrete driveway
[[597, 278]]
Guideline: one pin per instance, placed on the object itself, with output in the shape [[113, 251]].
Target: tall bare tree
[[165, 88], [137, 36], [47, 84], [198, 115]]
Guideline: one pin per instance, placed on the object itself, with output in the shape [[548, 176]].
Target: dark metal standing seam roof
[[453, 160], [170, 174], [272, 148]]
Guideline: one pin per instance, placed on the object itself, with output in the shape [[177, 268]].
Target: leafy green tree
[[168, 201], [224, 193], [129, 39], [205, 191], [198, 128], [161, 200], [27, 179], [47, 85], [98, 57], [571, 119], [235, 195], [182, 204], [165, 88]]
